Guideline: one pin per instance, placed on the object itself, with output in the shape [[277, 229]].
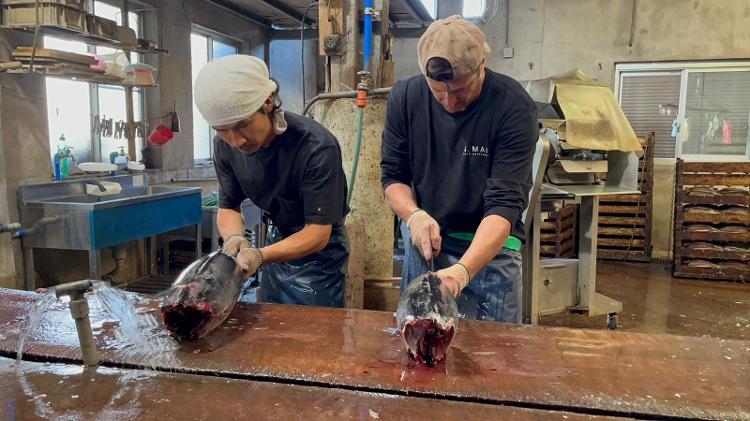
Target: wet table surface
[[557, 369], [66, 391]]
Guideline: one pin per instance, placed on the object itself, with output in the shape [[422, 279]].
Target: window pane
[[112, 105], [64, 45], [430, 6], [640, 98], [473, 8], [108, 11], [221, 49], [717, 113], [68, 114], [201, 130]]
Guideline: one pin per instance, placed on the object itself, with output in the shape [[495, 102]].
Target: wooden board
[[632, 255], [583, 371], [711, 254], [355, 276], [66, 391], [621, 242], [620, 232], [715, 236], [721, 218], [622, 220], [625, 210], [715, 167], [715, 180], [685, 198], [24, 53]]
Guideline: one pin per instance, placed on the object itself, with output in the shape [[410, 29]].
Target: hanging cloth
[[727, 132]]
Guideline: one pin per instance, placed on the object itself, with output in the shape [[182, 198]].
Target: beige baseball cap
[[456, 40]]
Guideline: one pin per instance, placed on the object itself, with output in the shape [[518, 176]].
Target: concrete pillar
[[368, 205], [26, 150]]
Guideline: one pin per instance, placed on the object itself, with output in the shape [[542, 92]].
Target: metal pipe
[[367, 42], [344, 94], [79, 310]]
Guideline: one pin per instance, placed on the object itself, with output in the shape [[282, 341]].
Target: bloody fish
[[202, 297], [427, 317]]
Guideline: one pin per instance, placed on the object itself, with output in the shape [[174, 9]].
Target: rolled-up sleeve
[[394, 161], [506, 193]]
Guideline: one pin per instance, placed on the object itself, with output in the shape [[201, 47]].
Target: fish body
[[202, 297], [427, 317]]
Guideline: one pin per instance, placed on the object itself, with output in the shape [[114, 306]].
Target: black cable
[[302, 46]]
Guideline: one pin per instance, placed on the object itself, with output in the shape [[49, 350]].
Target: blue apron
[[317, 279], [493, 294]]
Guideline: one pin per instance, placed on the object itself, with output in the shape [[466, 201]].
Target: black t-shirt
[[463, 166], [296, 180]]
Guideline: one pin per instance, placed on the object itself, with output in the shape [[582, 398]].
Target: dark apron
[[317, 279], [495, 293]]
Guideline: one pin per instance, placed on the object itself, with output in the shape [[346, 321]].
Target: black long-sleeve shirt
[[467, 165]]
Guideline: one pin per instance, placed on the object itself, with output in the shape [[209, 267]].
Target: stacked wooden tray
[[625, 220], [712, 221], [558, 233]]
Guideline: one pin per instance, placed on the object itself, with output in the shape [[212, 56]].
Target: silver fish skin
[[202, 296]]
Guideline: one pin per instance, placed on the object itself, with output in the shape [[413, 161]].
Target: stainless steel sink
[[129, 196], [61, 215]]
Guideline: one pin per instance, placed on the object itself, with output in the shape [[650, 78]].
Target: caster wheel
[[612, 321]]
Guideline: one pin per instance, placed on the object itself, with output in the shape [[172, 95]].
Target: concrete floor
[[655, 302]]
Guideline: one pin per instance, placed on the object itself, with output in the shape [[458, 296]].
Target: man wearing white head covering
[[456, 168], [287, 165]]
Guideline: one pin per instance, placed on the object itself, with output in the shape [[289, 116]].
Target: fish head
[[427, 316]]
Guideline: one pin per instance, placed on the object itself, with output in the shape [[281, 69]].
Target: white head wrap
[[232, 88]]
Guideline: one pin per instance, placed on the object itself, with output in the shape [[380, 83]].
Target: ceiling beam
[[417, 11], [287, 11], [233, 8]]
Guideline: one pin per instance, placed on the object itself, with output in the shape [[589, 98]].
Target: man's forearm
[[401, 200], [311, 239], [489, 239], [229, 222]]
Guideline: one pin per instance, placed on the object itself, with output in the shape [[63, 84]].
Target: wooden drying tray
[[24, 54]]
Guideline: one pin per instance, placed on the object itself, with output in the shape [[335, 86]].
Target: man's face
[[248, 135], [456, 95]]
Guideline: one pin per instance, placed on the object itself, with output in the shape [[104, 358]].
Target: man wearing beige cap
[[287, 165], [456, 169]]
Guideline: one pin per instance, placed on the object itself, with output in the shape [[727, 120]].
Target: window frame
[[93, 88], [210, 36], [685, 68]]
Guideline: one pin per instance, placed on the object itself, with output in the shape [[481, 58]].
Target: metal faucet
[[79, 310], [96, 183]]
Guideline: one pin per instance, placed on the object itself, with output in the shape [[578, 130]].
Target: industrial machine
[[593, 152]]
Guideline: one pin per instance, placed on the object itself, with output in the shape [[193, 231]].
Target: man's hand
[[425, 234], [234, 244], [250, 260], [454, 277]]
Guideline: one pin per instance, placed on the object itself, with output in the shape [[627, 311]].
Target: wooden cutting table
[[357, 354]]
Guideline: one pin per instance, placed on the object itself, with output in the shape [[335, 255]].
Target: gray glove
[[234, 244]]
